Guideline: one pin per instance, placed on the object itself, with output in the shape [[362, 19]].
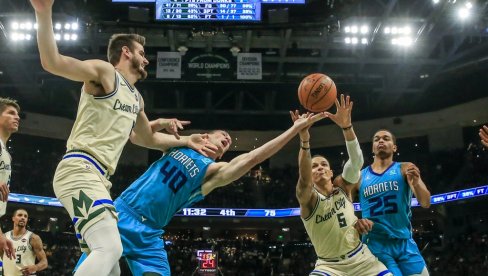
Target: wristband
[[347, 128], [304, 148]]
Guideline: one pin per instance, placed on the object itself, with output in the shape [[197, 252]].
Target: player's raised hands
[[42, 6], [172, 126], [304, 121], [342, 117], [484, 135], [201, 143]]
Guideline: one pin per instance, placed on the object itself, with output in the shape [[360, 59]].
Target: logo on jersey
[[21, 248], [380, 188], [4, 166], [118, 105], [338, 205], [393, 172]]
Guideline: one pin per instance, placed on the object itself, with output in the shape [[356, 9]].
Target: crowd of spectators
[[250, 255], [262, 187]]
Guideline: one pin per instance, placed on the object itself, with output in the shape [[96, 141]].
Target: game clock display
[[208, 10]]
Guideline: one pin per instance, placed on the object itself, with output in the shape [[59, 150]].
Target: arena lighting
[[355, 29], [26, 31], [435, 1]]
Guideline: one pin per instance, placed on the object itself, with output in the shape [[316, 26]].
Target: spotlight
[[463, 13], [15, 25], [57, 26], [74, 26], [347, 40], [364, 29]]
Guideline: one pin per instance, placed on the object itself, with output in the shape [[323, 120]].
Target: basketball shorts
[[401, 256], [363, 263], [84, 192], [143, 244]]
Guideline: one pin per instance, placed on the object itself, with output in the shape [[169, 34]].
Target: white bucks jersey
[[5, 172], [330, 226], [103, 124], [24, 255]]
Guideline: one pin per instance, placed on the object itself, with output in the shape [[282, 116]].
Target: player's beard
[[136, 65]]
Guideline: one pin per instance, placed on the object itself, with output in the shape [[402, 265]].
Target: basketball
[[317, 92]]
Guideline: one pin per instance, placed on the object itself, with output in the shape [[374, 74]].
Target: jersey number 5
[[383, 205], [173, 177]]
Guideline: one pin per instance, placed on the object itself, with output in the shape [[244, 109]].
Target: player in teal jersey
[[385, 194], [180, 178]]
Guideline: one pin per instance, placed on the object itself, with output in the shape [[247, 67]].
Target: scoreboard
[[208, 10]]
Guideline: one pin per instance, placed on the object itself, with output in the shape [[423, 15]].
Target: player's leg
[[83, 191], [143, 246], [383, 250], [411, 261], [365, 264], [105, 248]]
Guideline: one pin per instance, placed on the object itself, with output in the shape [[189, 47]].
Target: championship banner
[[168, 65], [249, 66], [208, 66]]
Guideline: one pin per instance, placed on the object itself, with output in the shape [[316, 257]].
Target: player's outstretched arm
[[304, 188], [416, 183], [342, 118], [484, 135], [240, 165], [144, 134], [64, 66]]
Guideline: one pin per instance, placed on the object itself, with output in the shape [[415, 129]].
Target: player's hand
[[342, 117], [304, 121], [363, 226], [484, 136], [172, 126], [41, 6], [4, 191], [413, 174], [200, 143], [7, 246], [304, 134], [28, 270]]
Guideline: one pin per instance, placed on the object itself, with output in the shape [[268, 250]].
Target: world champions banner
[[208, 66]]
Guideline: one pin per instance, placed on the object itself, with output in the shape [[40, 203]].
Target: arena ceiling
[[445, 64]]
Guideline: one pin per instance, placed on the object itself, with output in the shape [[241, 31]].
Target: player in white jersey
[[9, 123], [110, 110], [28, 247], [326, 207]]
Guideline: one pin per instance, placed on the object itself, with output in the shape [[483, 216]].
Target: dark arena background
[[417, 67]]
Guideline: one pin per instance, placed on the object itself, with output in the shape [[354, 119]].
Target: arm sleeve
[[352, 168]]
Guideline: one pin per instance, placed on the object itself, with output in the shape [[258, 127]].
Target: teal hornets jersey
[[386, 200], [170, 184]]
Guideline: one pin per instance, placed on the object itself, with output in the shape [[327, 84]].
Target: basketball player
[[484, 135], [28, 248], [385, 194], [326, 207], [179, 179], [110, 110], [9, 123]]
